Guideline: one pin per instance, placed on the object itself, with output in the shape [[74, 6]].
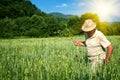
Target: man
[[95, 43]]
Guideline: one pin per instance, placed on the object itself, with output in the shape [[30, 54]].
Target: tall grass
[[53, 59]]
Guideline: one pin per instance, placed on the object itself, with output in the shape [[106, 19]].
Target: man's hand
[[78, 43], [106, 60], [109, 52]]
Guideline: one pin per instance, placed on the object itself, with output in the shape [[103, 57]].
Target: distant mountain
[[60, 15]]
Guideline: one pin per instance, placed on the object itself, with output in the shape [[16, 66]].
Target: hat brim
[[86, 29]]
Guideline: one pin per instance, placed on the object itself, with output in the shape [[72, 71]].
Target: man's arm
[[109, 52]]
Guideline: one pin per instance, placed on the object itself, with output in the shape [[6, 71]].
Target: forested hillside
[[18, 8], [20, 18]]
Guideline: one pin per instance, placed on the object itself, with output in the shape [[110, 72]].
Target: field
[[53, 59]]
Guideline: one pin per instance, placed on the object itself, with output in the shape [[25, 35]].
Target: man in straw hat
[[95, 43]]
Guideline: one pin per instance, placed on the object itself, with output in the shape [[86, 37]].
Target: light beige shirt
[[95, 43]]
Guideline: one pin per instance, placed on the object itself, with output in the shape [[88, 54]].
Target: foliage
[[76, 22], [7, 28], [113, 28], [103, 27], [92, 16], [21, 18], [74, 25], [18, 8], [34, 26]]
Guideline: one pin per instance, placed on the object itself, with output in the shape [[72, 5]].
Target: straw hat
[[88, 25]]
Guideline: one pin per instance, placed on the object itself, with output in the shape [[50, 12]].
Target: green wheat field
[[53, 59]]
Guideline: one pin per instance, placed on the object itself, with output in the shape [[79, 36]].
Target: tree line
[[20, 18]]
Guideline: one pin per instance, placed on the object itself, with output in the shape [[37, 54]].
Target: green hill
[[60, 15], [18, 8]]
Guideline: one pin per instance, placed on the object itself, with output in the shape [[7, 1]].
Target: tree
[[103, 27], [92, 16], [23, 25], [73, 20], [7, 28], [83, 17], [18, 8], [113, 28], [53, 26], [39, 25], [73, 25]]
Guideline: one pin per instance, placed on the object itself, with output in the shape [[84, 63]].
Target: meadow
[[53, 59]]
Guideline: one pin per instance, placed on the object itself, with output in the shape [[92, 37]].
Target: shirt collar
[[95, 33]]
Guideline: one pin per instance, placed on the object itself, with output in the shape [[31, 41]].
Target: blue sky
[[63, 6], [109, 10]]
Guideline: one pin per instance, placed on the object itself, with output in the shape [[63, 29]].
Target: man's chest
[[92, 42]]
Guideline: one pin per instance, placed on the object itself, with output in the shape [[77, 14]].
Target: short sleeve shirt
[[95, 43]]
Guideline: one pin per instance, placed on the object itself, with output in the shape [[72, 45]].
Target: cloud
[[78, 7], [62, 5]]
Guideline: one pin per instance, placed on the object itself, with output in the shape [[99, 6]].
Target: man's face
[[90, 33]]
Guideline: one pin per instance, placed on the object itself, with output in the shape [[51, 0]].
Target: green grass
[[53, 59]]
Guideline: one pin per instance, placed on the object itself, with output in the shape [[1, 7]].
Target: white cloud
[[62, 5]]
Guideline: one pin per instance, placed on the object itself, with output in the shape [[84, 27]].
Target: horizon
[[107, 11]]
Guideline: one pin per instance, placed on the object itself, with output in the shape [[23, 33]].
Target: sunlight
[[105, 9]]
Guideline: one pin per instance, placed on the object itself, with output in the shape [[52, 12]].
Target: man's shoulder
[[99, 33]]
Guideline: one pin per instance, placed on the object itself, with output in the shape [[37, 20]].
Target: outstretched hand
[[78, 43]]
